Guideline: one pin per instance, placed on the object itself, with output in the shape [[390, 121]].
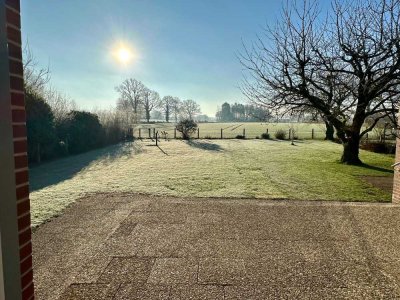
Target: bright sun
[[124, 55]]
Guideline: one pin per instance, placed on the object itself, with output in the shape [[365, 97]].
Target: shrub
[[81, 131], [40, 127], [240, 137], [280, 134], [257, 137], [265, 136], [186, 127], [379, 147]]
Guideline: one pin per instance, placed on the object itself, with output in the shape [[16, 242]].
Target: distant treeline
[[238, 112], [59, 131]]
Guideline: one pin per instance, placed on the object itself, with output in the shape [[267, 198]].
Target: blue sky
[[183, 48]]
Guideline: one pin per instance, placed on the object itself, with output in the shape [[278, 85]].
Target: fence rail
[[240, 131]]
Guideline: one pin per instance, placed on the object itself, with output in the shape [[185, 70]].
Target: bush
[[265, 136], [81, 132], [240, 137], [379, 147], [257, 137], [40, 127], [186, 127], [280, 134]]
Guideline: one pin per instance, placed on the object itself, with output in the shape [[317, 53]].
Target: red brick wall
[[396, 180], [20, 145]]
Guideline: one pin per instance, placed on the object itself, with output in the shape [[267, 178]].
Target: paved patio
[[141, 247]]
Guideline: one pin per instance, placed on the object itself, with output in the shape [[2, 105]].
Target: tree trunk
[[350, 154], [148, 116], [167, 115], [329, 131]]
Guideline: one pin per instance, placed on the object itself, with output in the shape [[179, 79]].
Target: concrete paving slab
[[134, 291], [127, 270], [145, 247], [89, 292], [222, 271], [174, 271], [197, 292]]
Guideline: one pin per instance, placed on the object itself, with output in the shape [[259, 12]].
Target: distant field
[[231, 130], [208, 168]]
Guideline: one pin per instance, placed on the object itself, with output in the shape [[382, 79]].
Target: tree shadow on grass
[[375, 168], [56, 171], [204, 145]]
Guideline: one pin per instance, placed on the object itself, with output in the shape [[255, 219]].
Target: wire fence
[[302, 131]]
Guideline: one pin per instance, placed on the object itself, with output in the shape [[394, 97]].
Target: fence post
[[244, 132], [149, 133], [267, 130], [154, 132], [290, 131], [174, 133], [221, 134], [157, 138], [312, 133], [198, 133], [140, 136]]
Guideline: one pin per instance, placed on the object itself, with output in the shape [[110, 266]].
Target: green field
[[208, 168], [231, 130]]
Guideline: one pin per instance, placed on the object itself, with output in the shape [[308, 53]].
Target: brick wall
[[396, 180], [13, 24]]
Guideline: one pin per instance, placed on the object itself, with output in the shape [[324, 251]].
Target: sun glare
[[123, 54]]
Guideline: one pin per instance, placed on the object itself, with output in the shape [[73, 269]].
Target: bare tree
[[189, 109], [345, 67], [60, 104], [151, 100], [167, 105], [131, 92], [35, 78], [176, 105], [125, 110]]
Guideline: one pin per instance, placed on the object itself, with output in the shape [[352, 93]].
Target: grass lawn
[[208, 168]]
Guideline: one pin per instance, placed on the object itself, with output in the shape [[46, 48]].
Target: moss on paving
[[208, 168]]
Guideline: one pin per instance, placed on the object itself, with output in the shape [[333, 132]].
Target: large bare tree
[[167, 106], [176, 105], [346, 67], [131, 92], [151, 100], [190, 108]]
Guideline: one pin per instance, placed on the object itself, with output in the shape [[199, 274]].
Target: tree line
[[56, 127], [343, 66], [140, 102], [239, 112]]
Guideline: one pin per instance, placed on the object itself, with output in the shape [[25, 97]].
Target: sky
[[183, 48]]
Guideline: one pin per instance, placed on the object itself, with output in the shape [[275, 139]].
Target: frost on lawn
[[221, 168]]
